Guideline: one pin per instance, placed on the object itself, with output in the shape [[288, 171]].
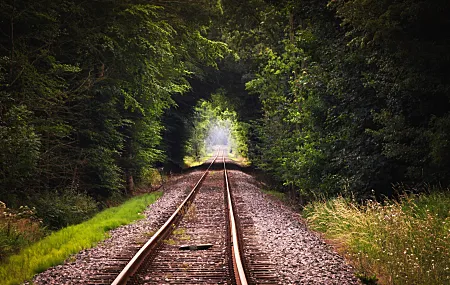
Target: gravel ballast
[[299, 256], [86, 266]]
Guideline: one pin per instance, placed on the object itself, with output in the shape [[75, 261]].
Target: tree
[[84, 86], [353, 97]]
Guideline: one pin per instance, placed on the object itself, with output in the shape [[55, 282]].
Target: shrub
[[150, 177], [68, 207], [18, 228]]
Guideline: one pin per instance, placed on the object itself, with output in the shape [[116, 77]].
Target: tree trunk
[[129, 183]]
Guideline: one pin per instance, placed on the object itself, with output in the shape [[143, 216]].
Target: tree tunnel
[[195, 130]]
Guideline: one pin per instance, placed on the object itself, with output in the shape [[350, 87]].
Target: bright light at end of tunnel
[[218, 135]]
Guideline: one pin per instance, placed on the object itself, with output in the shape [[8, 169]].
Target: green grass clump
[[276, 194], [55, 248], [399, 242], [190, 161]]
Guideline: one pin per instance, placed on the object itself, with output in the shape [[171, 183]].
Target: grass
[[190, 161], [58, 246], [397, 242], [239, 159], [276, 194]]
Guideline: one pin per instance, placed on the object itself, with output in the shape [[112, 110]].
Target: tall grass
[[55, 248], [399, 242]]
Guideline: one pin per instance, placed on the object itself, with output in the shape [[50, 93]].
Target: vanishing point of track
[[200, 243]]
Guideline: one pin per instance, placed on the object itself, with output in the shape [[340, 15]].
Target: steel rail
[[239, 272], [134, 264]]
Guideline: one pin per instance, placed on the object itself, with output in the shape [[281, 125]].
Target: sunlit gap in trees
[[214, 123], [219, 136]]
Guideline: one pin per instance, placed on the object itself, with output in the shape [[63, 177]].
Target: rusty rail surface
[[134, 264], [236, 269], [239, 272]]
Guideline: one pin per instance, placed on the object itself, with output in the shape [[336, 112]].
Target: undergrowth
[[61, 209], [150, 177], [58, 246], [18, 228], [397, 242], [190, 161]]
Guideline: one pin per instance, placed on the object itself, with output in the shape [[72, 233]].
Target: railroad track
[[200, 243]]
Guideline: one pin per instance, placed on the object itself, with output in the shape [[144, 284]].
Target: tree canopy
[[328, 97], [84, 86], [354, 94]]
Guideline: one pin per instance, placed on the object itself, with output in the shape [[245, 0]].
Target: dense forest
[[325, 97], [354, 94], [84, 86]]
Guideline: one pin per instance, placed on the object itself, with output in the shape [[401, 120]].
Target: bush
[[58, 210], [18, 228], [401, 242], [150, 177]]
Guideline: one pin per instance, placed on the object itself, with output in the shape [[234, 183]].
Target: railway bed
[[207, 218], [276, 247]]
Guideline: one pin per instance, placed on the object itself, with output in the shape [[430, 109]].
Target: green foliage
[[151, 177], [399, 242], [18, 229], [60, 210], [83, 87], [20, 147], [353, 94], [404, 50], [55, 248], [292, 132], [214, 122]]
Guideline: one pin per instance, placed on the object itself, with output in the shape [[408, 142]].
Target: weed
[[368, 280], [401, 242], [276, 194], [180, 234], [179, 231], [149, 234], [191, 214], [185, 266], [18, 228], [71, 258], [144, 238], [168, 276], [169, 241]]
